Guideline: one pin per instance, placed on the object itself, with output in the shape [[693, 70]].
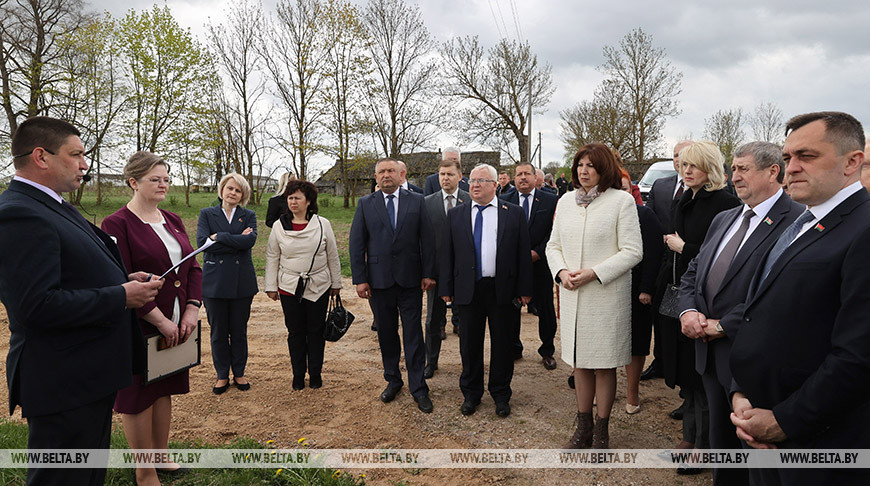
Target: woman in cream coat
[[302, 245], [595, 243]]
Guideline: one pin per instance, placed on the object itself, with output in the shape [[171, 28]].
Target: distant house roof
[[420, 164]]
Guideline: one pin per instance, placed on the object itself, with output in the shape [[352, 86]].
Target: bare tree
[[29, 34], [295, 55], [767, 123], [651, 84], [405, 116], [236, 48], [348, 74], [725, 127], [498, 90], [91, 90], [604, 119]]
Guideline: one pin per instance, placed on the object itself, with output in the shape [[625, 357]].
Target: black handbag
[[338, 320], [670, 306]]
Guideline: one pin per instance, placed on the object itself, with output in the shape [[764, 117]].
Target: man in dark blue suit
[[801, 357], [433, 182], [437, 205], [717, 279], [487, 274], [539, 208], [392, 258], [68, 297]]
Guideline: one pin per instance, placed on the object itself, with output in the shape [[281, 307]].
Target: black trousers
[[723, 434], [543, 299], [85, 427], [305, 322], [474, 317], [436, 317], [388, 304], [228, 320]]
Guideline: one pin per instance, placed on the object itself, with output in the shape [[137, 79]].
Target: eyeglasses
[[158, 180], [480, 181], [28, 153]]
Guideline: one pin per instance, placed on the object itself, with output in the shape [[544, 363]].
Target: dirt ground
[[346, 412]]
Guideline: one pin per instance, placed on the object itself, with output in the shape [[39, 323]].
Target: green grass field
[[330, 207], [14, 436]]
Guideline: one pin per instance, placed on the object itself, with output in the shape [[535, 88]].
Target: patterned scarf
[[583, 198]]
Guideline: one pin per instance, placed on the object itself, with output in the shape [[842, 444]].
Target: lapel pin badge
[[768, 221], [503, 206], [819, 227]]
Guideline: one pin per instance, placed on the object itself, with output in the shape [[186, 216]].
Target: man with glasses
[[487, 274], [68, 298]]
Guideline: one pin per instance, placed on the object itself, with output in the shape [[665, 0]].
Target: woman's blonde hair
[[241, 181], [706, 156], [282, 182]]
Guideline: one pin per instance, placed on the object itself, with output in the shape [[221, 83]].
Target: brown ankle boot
[[601, 434], [582, 437]]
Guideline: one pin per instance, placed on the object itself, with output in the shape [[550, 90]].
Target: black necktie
[[723, 261]]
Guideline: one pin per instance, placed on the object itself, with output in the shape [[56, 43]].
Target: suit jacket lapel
[[763, 231], [378, 200], [469, 232], [403, 210], [502, 215], [534, 203], [822, 228]]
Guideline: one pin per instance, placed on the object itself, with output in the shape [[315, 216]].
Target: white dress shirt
[[822, 210], [489, 239], [760, 211], [39, 186], [455, 195], [531, 202]]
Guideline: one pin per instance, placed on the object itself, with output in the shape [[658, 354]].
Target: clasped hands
[[695, 325], [575, 280], [757, 426]]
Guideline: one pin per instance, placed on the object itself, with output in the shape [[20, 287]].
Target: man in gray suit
[[437, 204], [718, 278]]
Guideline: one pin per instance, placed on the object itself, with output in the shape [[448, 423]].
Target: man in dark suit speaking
[[538, 207], [487, 273], [718, 277], [392, 258], [67, 296], [801, 358]]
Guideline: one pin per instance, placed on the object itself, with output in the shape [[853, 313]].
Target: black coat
[[692, 217]]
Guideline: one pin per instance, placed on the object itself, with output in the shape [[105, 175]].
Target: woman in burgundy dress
[[153, 240]]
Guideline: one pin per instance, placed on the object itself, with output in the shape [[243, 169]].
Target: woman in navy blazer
[[229, 282]]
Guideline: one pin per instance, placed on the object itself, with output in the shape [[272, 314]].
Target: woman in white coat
[[595, 243], [303, 270]]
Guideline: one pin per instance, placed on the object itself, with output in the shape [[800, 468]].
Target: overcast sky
[[802, 55]]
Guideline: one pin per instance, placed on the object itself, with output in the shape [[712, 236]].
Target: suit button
[[177, 283], [220, 261], [747, 319]]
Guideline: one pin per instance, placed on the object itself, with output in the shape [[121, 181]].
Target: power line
[[516, 20]]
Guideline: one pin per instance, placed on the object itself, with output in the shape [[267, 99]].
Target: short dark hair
[[451, 163], [841, 129], [308, 189], [764, 155], [604, 163], [524, 163], [40, 131]]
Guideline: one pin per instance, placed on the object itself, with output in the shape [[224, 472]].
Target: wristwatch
[[719, 328]]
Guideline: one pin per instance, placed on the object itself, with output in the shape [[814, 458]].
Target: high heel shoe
[[241, 386]]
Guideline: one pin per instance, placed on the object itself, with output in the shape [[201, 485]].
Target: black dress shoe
[[390, 392], [677, 414], [217, 390], [651, 372], [455, 329], [424, 403], [469, 407], [549, 362], [429, 371], [242, 386], [518, 355], [374, 326], [172, 473], [315, 382], [502, 409], [299, 383], [571, 381]]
